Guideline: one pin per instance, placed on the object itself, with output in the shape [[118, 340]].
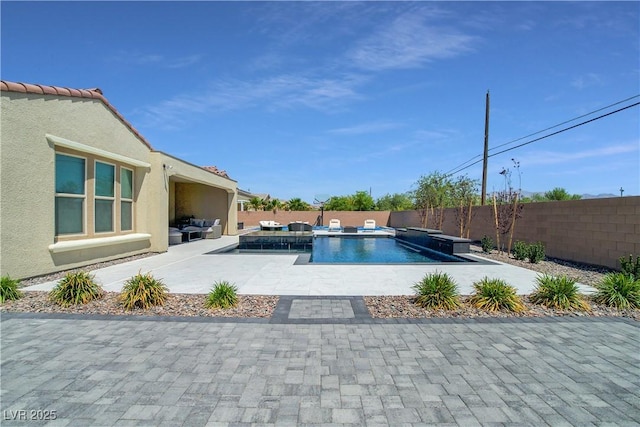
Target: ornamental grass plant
[[620, 290], [222, 295], [143, 291], [9, 289], [558, 293], [495, 295], [76, 288], [437, 291]]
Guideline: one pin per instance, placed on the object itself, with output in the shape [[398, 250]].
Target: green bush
[[437, 290], [629, 266], [143, 291], [619, 290], [520, 250], [76, 288], [486, 243], [9, 289], [559, 293], [494, 295], [223, 295], [536, 252]]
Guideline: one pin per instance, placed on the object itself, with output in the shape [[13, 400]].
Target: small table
[[188, 235], [350, 229]]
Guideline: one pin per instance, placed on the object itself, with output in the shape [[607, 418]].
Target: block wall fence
[[592, 231]]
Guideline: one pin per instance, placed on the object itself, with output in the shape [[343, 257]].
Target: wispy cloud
[[272, 94], [365, 128], [408, 42], [586, 80], [154, 59]]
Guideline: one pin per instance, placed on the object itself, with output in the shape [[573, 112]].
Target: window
[[104, 197], [126, 199], [70, 194], [92, 201]]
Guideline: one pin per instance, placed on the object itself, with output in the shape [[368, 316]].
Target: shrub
[[494, 295], [486, 243], [520, 250], [143, 291], [631, 267], [9, 289], [558, 292], [437, 290], [618, 290], [536, 252], [223, 295], [76, 288]]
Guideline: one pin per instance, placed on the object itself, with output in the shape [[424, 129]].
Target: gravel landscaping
[[264, 305]]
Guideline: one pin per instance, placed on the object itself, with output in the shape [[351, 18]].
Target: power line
[[460, 169], [566, 129], [538, 132]]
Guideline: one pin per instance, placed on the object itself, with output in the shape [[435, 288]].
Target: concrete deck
[[193, 268]]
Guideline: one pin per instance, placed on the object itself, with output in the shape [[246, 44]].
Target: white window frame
[[75, 196], [124, 199], [96, 197]]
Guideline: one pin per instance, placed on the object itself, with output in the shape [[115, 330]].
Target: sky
[[303, 99]]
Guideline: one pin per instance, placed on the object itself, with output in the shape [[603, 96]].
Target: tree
[[256, 203], [297, 204], [362, 201], [559, 193], [394, 202], [464, 193], [339, 203], [272, 205], [431, 195]]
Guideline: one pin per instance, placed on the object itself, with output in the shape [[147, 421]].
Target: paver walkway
[[319, 361]]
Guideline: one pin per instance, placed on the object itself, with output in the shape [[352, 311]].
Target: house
[[79, 184]]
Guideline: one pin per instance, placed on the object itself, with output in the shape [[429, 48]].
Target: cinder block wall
[[252, 218], [593, 231]]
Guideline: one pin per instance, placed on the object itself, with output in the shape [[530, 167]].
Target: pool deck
[[193, 268]]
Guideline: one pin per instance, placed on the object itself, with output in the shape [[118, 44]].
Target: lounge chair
[[270, 225], [334, 224], [299, 226], [369, 225]]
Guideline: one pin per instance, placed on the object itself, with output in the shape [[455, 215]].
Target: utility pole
[[621, 191], [483, 197]]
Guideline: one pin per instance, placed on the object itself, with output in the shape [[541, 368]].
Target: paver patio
[[319, 360], [290, 370]]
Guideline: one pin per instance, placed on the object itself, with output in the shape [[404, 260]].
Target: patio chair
[[270, 225], [369, 225], [334, 224]]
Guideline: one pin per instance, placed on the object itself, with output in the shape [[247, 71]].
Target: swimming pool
[[372, 250]]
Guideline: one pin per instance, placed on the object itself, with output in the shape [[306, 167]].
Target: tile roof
[[217, 171], [94, 93]]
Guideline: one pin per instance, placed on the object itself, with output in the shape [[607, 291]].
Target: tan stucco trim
[[74, 245], [62, 142]]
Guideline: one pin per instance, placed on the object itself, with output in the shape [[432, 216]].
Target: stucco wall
[[27, 184], [594, 231], [195, 191], [27, 176]]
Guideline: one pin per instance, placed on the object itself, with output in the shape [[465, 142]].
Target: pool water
[[372, 250]]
